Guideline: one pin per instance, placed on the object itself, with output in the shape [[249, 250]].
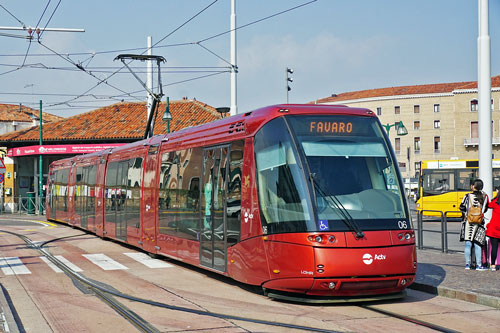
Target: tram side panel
[[247, 259], [70, 215], [99, 193], [149, 207]]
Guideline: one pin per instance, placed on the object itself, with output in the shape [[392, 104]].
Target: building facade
[[441, 119], [88, 132], [15, 118]]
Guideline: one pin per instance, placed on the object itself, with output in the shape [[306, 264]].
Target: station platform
[[444, 274]]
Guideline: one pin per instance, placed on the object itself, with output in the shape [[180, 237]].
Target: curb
[[8, 321], [472, 297]]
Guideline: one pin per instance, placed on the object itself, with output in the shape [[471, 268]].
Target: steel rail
[[140, 323], [409, 319], [137, 321]]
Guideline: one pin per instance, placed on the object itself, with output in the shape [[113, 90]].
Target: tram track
[[107, 295], [434, 327]]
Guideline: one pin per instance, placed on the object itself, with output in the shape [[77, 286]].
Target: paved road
[[48, 301]]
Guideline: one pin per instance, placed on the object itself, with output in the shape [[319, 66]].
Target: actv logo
[[368, 258]]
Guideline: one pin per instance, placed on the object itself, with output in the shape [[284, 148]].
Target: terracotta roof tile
[[121, 121], [12, 112], [406, 90]]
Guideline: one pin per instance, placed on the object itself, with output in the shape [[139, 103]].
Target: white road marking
[[70, 265], [13, 265], [147, 260], [65, 261], [51, 265], [104, 262]]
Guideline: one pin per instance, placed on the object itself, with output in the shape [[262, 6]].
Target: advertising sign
[[60, 149]]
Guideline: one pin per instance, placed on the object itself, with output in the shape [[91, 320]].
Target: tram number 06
[[402, 225]]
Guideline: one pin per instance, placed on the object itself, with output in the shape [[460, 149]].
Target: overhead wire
[[257, 21], [18, 20], [83, 69], [50, 18], [43, 13], [167, 45], [166, 36], [100, 81]]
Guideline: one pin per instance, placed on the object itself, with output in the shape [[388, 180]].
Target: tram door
[[213, 219]]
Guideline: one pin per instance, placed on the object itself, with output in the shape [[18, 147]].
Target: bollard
[[420, 231]]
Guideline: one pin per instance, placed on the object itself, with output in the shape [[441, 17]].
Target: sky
[[333, 47]]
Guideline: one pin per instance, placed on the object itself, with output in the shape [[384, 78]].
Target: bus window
[[496, 178], [437, 182], [466, 178]]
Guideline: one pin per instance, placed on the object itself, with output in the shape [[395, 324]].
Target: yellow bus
[[442, 184]]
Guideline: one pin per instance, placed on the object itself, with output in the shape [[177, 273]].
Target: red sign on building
[[60, 149]]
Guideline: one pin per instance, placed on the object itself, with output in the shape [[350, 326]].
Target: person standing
[[478, 198], [493, 227]]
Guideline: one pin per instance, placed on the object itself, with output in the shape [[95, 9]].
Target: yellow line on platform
[[49, 224]]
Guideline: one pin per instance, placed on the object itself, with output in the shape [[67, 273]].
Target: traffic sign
[[2, 167], [1, 178]]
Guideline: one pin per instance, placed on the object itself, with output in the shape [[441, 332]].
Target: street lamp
[[400, 128], [167, 116]]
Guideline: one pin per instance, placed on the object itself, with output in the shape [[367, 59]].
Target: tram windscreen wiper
[[335, 203]]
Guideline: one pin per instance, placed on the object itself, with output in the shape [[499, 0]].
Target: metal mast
[[484, 97], [234, 67]]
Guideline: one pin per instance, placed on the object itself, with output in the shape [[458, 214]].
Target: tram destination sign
[[333, 126]]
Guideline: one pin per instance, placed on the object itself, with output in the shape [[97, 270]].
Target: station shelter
[[103, 128]]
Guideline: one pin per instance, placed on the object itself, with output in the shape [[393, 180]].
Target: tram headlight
[[407, 236], [318, 239], [331, 285]]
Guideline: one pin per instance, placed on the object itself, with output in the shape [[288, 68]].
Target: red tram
[[305, 201]]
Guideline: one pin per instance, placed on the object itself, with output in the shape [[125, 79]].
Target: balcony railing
[[472, 142]]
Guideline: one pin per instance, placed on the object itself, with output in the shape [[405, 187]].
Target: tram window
[[281, 183], [179, 193], [233, 205], [64, 179], [77, 191], [167, 187], [92, 175], [134, 177], [111, 191]]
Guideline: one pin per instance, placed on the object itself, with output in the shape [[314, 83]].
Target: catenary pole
[[40, 166], [234, 67], [149, 76], [484, 98]]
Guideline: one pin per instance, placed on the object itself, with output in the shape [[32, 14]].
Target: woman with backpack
[[473, 206], [493, 228]]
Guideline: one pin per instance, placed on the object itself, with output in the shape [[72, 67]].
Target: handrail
[[444, 229], [23, 205]]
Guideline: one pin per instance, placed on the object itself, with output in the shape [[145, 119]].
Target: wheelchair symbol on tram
[[323, 225]]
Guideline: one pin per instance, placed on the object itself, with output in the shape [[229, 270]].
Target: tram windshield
[[348, 173]]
